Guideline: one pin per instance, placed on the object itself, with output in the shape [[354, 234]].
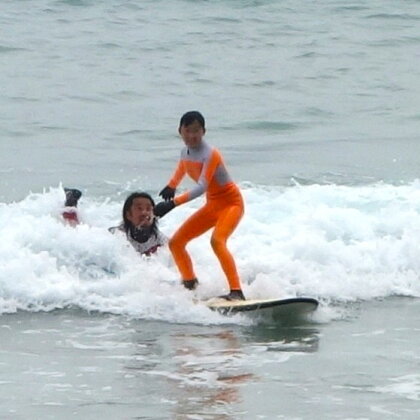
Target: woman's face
[[141, 212]]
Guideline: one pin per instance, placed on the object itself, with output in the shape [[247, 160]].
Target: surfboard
[[299, 306]]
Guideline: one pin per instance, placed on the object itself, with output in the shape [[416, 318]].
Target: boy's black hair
[[127, 206], [192, 116]]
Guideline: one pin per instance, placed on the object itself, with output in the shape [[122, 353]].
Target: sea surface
[[315, 106]]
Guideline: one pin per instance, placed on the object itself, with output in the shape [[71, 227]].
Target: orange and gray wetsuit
[[223, 209]]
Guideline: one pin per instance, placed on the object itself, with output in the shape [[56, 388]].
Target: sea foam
[[339, 244]]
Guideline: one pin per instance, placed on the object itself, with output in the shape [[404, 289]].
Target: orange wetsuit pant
[[224, 215]]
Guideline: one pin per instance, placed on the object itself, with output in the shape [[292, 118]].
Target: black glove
[[163, 207], [167, 193]]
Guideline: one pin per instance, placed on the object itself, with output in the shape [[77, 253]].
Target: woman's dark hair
[[190, 117], [127, 206]]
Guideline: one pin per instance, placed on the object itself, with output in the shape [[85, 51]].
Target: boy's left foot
[[234, 295]]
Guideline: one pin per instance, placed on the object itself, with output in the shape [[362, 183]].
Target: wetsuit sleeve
[[177, 175], [207, 174]]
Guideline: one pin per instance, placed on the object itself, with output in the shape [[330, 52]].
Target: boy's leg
[[201, 221], [225, 225]]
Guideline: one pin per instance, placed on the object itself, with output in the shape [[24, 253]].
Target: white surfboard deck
[[290, 306]]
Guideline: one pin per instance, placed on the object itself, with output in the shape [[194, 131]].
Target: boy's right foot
[[234, 295], [190, 284]]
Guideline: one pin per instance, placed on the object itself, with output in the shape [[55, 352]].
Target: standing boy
[[222, 211]]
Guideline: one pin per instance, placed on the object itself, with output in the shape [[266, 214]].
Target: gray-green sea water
[[315, 107]]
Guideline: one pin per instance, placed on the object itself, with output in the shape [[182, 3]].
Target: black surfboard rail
[[301, 304]]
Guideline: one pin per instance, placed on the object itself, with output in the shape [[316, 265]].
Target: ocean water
[[315, 106]]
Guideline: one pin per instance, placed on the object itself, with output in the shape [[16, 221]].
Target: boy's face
[[192, 134]]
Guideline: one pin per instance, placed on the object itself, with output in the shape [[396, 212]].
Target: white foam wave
[[336, 243]]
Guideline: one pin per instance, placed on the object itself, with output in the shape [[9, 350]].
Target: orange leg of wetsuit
[[224, 217]]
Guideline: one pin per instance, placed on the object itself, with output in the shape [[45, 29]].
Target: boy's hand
[[163, 207], [167, 193]]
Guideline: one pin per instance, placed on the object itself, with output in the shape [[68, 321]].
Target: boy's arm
[[177, 175], [168, 192], [207, 173]]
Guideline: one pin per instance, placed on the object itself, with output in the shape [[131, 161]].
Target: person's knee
[[217, 243], [175, 243], [172, 244]]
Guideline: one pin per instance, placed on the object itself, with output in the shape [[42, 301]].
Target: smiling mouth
[[146, 219]]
